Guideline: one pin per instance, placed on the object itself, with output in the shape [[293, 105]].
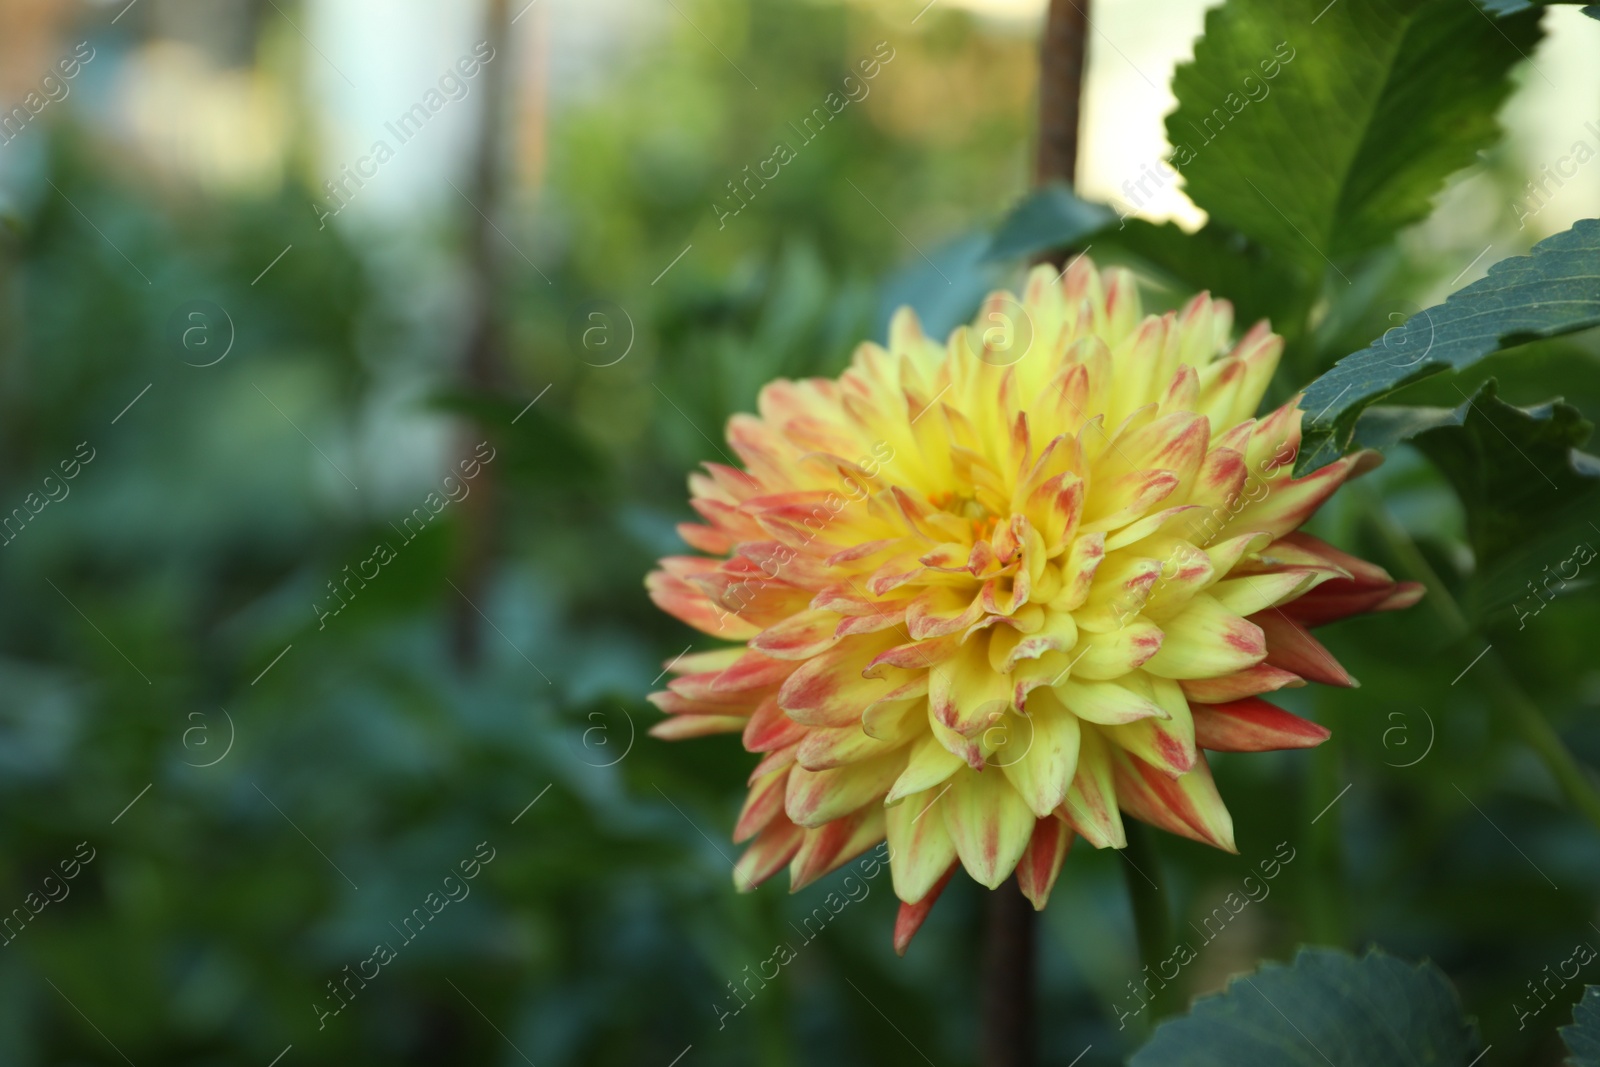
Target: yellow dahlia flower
[[993, 594]]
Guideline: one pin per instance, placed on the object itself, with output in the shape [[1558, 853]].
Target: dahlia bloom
[[991, 595]]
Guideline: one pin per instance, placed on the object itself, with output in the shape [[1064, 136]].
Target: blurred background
[[263, 346]]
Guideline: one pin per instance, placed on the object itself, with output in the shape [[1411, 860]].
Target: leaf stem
[[1577, 783]]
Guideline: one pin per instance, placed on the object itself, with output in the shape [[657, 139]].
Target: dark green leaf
[[1518, 472], [1553, 291], [1325, 1007], [1047, 218], [1320, 129], [1222, 261], [537, 445], [1583, 1036]]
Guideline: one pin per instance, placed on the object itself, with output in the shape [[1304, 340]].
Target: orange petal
[[800, 636], [816, 797], [830, 847], [767, 854], [763, 802]]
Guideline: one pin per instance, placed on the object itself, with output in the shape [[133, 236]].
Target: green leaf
[[1518, 472], [1050, 217], [1502, 8], [1325, 1007], [1583, 1036], [1553, 291], [1217, 259], [541, 447], [1320, 129]]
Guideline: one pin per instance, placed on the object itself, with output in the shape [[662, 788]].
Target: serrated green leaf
[[1325, 1007], [1320, 129], [1583, 1035], [1553, 291]]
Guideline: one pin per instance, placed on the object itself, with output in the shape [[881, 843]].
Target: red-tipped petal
[[1041, 860], [1262, 678], [1252, 725], [911, 916], [1291, 647], [1188, 806], [772, 848]]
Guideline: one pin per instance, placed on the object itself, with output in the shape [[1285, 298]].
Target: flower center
[[966, 506]]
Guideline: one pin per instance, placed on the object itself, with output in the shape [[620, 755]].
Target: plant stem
[[484, 362], [1008, 980], [1152, 922], [1061, 63], [1576, 783]]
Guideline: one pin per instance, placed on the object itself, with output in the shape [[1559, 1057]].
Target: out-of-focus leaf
[[1518, 471], [1553, 291], [1502, 8], [1320, 129], [537, 445], [1326, 1006], [1583, 1035], [1049, 217], [1222, 261], [946, 288]]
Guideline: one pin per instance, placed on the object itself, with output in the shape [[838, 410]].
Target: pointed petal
[[800, 636], [920, 848], [1262, 678], [911, 916], [1252, 725], [1166, 743], [829, 847], [767, 854], [966, 694], [764, 801], [1107, 703], [990, 824], [1091, 805], [682, 727], [1188, 806], [1041, 755], [1291, 647], [930, 764], [828, 690], [1041, 861], [1105, 656], [816, 797], [1206, 640]]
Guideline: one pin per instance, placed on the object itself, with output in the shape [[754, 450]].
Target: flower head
[[996, 593]]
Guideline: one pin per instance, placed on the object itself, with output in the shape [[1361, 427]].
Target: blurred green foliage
[[268, 797]]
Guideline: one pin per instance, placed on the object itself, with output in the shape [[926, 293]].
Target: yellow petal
[[1041, 753], [920, 848], [990, 824]]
